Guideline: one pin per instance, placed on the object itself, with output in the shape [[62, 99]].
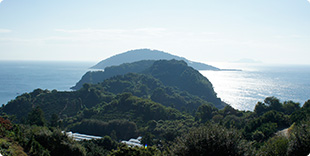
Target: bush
[[275, 146], [211, 139], [300, 139], [124, 150]]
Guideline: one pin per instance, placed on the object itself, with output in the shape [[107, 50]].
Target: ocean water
[[18, 77], [243, 89]]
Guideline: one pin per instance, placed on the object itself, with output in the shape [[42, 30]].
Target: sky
[[270, 31]]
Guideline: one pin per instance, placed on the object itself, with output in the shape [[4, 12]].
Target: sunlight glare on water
[[243, 89]]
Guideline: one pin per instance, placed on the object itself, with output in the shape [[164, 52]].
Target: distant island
[[147, 54], [135, 61], [247, 60]]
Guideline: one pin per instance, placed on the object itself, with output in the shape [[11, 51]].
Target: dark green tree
[[124, 150], [35, 148], [205, 112], [306, 105], [260, 108], [99, 147], [273, 103], [301, 114], [36, 117], [275, 146], [55, 121], [300, 139], [148, 139], [211, 139], [290, 107]]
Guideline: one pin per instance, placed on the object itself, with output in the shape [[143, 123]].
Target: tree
[[260, 108], [290, 107], [35, 148], [55, 121], [204, 112], [148, 139], [306, 105], [275, 146], [36, 117], [211, 139], [124, 150], [301, 114], [273, 103], [270, 103], [5, 125], [300, 139], [86, 86]]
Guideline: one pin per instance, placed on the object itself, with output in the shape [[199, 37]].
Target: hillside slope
[[174, 74], [99, 76], [178, 74]]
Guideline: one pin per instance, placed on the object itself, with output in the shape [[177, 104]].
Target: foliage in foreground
[[205, 136], [211, 139], [124, 150]]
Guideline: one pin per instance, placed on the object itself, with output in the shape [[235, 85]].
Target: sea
[[18, 77], [242, 88], [253, 82]]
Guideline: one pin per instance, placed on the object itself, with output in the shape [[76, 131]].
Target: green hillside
[[176, 76], [99, 76]]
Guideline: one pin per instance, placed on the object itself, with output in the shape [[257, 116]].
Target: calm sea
[[18, 77], [242, 89]]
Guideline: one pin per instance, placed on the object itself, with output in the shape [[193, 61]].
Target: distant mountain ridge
[[147, 54]]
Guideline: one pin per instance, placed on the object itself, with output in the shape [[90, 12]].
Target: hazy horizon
[[273, 32]]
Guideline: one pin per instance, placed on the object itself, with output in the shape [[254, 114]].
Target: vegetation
[[37, 140], [178, 74], [129, 151], [184, 80], [95, 77], [172, 119], [211, 139]]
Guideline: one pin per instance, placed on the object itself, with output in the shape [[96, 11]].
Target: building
[[80, 137], [133, 142]]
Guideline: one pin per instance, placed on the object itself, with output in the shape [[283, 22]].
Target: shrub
[[211, 139]]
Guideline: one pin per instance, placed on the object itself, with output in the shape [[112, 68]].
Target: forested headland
[[171, 105]]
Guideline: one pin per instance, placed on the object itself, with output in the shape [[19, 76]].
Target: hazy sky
[[272, 31]]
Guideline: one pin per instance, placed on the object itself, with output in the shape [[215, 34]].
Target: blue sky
[[271, 31]]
